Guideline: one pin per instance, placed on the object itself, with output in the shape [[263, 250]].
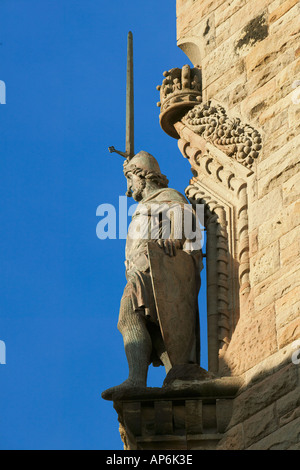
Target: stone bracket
[[183, 417]]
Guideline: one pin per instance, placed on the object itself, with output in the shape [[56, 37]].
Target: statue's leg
[[138, 347], [137, 342]]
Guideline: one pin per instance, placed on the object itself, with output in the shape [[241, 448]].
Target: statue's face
[[136, 186]]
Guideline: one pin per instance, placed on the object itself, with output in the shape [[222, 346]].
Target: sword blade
[[130, 99]]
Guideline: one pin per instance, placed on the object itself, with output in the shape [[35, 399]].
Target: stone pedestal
[[184, 415]]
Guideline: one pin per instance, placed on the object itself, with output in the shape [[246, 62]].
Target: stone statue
[[158, 316], [156, 331]]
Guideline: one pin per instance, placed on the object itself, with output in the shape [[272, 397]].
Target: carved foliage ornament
[[237, 140]]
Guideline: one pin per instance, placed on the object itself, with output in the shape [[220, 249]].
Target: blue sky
[[64, 65]]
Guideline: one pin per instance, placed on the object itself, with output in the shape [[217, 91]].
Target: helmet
[[144, 161]]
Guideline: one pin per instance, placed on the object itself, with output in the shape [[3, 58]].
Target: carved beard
[[137, 192]]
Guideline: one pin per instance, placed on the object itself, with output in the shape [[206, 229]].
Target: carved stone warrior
[[158, 316]]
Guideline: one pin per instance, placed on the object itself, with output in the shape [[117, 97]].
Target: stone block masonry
[[249, 54]]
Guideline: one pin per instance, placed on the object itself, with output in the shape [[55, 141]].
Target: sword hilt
[[113, 150]]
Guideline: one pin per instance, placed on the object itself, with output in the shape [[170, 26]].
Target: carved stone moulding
[[222, 307], [236, 140], [221, 185], [226, 181], [213, 181], [180, 91]]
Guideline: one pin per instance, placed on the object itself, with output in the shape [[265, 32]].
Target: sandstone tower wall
[[249, 53]]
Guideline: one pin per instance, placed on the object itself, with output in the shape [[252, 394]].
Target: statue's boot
[[138, 347]]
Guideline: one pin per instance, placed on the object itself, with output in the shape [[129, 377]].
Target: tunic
[[146, 225]]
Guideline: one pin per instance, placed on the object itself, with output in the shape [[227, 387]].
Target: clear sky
[[64, 65]]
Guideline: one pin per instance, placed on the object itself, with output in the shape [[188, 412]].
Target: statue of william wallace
[[158, 317]]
